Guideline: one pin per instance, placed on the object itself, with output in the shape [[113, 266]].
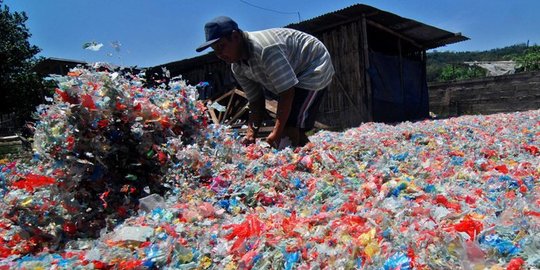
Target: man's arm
[[256, 105], [282, 115], [256, 113]]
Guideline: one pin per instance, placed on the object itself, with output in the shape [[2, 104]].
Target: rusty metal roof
[[428, 37]]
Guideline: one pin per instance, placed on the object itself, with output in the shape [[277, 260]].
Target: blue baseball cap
[[216, 29]]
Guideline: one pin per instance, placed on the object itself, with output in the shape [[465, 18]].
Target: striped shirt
[[282, 58]]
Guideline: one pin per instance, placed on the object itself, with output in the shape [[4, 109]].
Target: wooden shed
[[58, 66], [380, 63]]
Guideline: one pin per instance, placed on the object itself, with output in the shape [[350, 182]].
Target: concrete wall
[[509, 93]]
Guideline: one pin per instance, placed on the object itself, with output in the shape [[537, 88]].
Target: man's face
[[228, 48]]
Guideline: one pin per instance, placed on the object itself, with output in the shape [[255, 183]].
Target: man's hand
[[256, 109], [251, 134], [274, 138]]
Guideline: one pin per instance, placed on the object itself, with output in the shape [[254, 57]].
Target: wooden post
[[367, 80], [424, 78], [401, 83]]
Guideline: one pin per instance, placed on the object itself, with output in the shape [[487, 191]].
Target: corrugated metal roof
[[429, 37]]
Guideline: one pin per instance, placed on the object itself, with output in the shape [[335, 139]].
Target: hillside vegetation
[[448, 66]]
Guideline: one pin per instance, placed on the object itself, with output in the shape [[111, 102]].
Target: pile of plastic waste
[[128, 177]]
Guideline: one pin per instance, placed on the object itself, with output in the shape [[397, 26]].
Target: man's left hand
[[273, 139]]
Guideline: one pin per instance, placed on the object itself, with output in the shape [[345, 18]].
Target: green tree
[[530, 60], [22, 89], [460, 72]]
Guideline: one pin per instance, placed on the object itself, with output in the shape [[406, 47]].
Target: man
[[294, 66]]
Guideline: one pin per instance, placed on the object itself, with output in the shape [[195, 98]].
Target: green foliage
[[447, 66], [22, 89], [530, 60], [460, 72]]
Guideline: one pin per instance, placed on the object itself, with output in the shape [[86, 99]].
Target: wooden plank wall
[[344, 105], [8, 124], [217, 73], [508, 93]]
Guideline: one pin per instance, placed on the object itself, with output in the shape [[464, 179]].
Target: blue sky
[[154, 32]]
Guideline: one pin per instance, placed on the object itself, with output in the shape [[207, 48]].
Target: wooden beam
[[229, 107], [238, 114], [367, 80], [271, 105], [240, 93], [386, 29], [213, 116]]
